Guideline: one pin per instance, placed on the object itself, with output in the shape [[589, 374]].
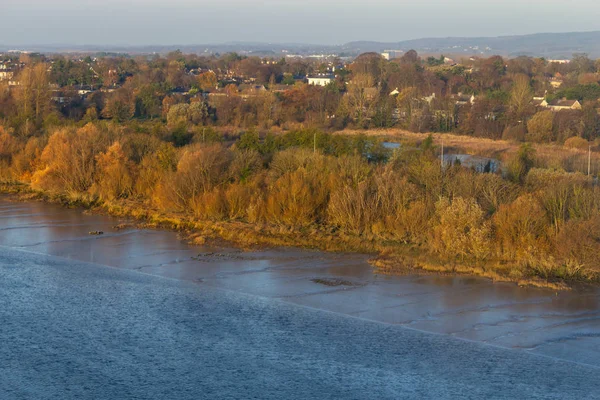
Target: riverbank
[[387, 257]]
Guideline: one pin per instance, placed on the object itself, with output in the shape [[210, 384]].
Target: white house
[[6, 74], [320, 80], [464, 99]]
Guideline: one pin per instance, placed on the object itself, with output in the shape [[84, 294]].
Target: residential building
[[537, 101], [321, 80], [6, 74], [392, 54], [560, 105], [449, 61], [464, 99]]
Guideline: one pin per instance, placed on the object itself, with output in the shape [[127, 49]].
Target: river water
[[136, 314]]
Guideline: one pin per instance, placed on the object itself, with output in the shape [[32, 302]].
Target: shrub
[[194, 113], [350, 207], [26, 161], [520, 228], [245, 163], [68, 162], [292, 159], [540, 127], [150, 174], [114, 177], [461, 229], [353, 170], [209, 205], [578, 243], [136, 146], [238, 198], [520, 164], [576, 142], [199, 170], [297, 198], [8, 146], [492, 190]]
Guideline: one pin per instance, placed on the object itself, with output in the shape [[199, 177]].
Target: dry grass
[[476, 146], [548, 155], [403, 263]]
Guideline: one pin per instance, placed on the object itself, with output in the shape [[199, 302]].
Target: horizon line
[[276, 43]]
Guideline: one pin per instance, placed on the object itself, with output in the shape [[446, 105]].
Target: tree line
[[422, 95]]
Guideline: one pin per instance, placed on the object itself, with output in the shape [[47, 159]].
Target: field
[[551, 156]]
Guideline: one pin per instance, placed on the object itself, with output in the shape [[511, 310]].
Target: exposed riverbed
[[229, 322]]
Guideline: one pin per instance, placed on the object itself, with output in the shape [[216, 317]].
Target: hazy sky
[[135, 22]]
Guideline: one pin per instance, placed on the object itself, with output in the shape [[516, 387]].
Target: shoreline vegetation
[[248, 150], [385, 258], [342, 193]]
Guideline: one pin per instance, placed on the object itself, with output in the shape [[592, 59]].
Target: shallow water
[[229, 322]]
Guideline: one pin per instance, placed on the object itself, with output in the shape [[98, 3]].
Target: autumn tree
[[520, 227], [410, 57], [297, 198], [521, 163], [68, 162], [207, 80], [370, 64], [194, 113], [581, 63], [461, 229], [113, 177], [8, 145], [540, 127], [199, 170], [407, 104], [120, 105], [520, 97], [175, 74], [590, 121], [148, 100], [489, 74], [33, 95], [360, 97]]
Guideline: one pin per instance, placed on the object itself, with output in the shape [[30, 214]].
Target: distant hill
[[549, 45]]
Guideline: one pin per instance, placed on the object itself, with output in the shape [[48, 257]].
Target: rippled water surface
[[263, 324]]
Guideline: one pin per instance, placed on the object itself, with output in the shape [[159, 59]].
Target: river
[[139, 314]]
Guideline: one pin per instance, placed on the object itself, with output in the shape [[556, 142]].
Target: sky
[[170, 22]]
